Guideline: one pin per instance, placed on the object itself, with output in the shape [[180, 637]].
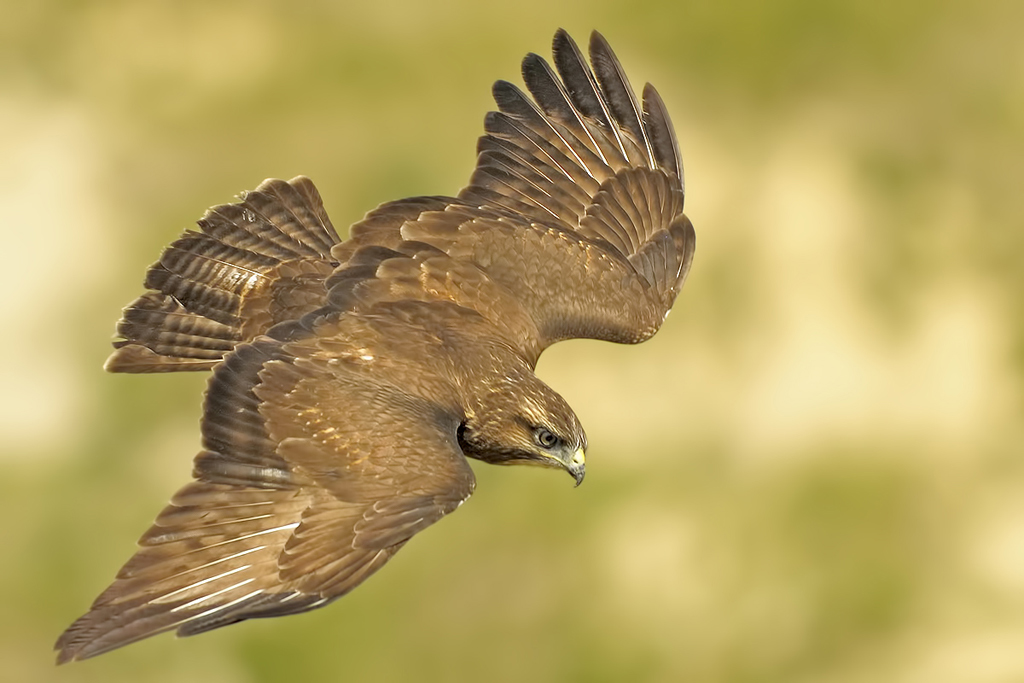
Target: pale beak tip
[[578, 467]]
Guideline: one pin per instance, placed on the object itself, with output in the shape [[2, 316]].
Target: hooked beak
[[577, 466]]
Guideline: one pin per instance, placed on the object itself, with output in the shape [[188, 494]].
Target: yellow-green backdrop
[[815, 472]]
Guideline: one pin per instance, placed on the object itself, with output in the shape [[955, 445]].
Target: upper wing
[[313, 475], [549, 157], [253, 263], [573, 220], [575, 207]]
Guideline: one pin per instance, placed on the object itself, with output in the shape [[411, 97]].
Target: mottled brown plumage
[[351, 380]]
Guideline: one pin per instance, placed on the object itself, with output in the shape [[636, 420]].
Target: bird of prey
[[352, 379]]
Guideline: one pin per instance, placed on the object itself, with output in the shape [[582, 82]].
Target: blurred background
[[815, 472]]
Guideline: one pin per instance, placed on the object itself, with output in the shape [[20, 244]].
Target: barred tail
[[253, 263]]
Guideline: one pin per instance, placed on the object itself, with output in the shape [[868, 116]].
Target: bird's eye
[[545, 438]]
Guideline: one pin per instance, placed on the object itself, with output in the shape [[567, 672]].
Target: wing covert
[[584, 156], [575, 207]]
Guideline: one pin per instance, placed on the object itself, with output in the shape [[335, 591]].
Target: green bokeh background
[[815, 472]]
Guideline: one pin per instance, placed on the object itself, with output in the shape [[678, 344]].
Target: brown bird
[[352, 379]]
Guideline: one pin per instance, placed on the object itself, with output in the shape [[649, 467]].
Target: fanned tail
[[252, 264]]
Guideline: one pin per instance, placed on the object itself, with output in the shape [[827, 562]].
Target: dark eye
[[545, 438]]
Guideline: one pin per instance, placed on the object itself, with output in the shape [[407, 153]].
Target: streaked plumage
[[352, 379]]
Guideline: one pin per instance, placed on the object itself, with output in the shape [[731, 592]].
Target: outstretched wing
[[314, 474], [575, 207], [253, 263]]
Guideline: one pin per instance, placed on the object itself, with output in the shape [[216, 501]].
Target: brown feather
[[352, 380]]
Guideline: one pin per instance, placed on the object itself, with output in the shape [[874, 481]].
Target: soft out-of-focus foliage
[[815, 472]]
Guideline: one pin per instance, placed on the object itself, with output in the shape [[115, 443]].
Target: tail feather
[[253, 263], [168, 337]]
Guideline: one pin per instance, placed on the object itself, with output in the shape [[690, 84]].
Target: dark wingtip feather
[[686, 244], [561, 40], [578, 79], [589, 99], [546, 89], [659, 130], [618, 92]]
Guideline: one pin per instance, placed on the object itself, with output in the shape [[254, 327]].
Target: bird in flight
[[352, 379]]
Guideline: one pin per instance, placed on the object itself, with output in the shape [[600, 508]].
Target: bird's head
[[519, 420]]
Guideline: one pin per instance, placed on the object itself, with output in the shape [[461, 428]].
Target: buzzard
[[352, 379]]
